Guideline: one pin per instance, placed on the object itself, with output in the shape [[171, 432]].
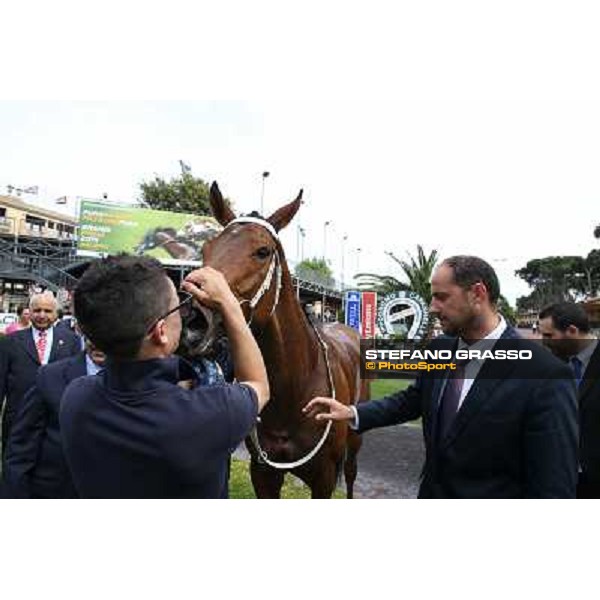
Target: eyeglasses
[[184, 307]]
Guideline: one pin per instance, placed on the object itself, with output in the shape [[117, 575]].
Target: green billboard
[[173, 238]]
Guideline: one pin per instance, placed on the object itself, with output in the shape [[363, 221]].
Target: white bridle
[[275, 266]]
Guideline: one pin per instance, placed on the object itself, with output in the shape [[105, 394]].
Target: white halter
[[274, 266], [262, 290]]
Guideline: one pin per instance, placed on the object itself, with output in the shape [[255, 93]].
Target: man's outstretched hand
[[321, 408]]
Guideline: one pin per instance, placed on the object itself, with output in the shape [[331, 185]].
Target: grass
[[383, 387], [240, 486]]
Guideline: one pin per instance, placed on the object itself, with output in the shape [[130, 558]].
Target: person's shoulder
[[63, 331], [220, 399], [83, 387], [542, 363], [20, 335], [16, 339], [58, 367], [442, 341]]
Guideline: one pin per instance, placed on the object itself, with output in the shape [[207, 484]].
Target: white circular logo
[[403, 314]]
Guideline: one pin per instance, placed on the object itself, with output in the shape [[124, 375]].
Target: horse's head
[[248, 252]]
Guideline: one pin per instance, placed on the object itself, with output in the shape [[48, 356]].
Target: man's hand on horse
[[334, 410], [210, 288]]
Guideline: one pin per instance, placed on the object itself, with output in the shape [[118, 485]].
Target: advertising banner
[[173, 238], [353, 310], [369, 314]]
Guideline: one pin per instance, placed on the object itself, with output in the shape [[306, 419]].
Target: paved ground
[[390, 462]]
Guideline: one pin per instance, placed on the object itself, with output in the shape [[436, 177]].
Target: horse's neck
[[289, 343]]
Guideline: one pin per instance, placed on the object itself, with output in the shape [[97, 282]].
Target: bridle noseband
[[274, 268]]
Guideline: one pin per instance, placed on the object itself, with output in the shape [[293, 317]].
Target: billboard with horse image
[[173, 238]]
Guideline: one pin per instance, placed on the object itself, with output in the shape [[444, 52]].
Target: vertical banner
[[369, 314], [353, 310]]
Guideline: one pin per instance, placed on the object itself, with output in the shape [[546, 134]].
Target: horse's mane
[[255, 214]]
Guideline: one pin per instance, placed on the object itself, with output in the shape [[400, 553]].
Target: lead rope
[[262, 454], [275, 267]]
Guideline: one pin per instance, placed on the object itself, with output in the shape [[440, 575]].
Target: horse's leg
[[350, 465], [322, 483], [266, 481]]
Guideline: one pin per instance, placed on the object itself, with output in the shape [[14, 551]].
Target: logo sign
[[369, 313], [403, 314], [353, 310]]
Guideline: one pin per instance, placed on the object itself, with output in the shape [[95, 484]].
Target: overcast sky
[[465, 128]]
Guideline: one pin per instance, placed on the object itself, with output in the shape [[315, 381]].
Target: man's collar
[[586, 354], [495, 334]]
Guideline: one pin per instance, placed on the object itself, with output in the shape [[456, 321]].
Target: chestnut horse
[[303, 359]]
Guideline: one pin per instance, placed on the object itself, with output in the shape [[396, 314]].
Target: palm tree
[[417, 270]]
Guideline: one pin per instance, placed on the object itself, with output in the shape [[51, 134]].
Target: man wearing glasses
[[132, 432]]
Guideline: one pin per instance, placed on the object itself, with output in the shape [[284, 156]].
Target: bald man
[[23, 352]]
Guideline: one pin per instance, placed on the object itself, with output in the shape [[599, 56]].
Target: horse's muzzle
[[199, 331]]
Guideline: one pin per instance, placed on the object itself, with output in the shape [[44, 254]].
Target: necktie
[[41, 346], [450, 399], [577, 367]]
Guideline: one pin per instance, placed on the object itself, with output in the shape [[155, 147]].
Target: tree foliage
[[417, 271], [184, 193], [507, 311], [316, 270], [560, 278]]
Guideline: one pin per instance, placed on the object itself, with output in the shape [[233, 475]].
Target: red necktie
[[41, 346]]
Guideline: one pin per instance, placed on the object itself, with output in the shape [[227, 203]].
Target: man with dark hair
[[565, 329], [22, 353], [492, 428], [131, 431]]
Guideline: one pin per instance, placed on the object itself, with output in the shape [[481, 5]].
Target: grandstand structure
[[38, 249]]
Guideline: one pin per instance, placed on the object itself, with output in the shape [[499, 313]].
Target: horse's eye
[[263, 252]]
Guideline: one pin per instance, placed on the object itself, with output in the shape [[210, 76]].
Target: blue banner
[[353, 310]]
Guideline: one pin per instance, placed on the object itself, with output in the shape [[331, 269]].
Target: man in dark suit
[[22, 353], [493, 428], [34, 465], [565, 329]]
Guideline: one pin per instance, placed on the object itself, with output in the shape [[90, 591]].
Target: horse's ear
[[220, 208], [281, 217]]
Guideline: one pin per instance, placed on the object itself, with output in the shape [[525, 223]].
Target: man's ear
[[480, 291], [158, 336], [572, 331]]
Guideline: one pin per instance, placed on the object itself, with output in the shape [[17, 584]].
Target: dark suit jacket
[[34, 463], [515, 435], [589, 416], [19, 364]]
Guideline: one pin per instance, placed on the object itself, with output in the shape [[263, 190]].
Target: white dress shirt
[[474, 366], [49, 338], [91, 368], [586, 354]]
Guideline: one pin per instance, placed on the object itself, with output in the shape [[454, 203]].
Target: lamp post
[[343, 260], [302, 236], [358, 251], [262, 193], [325, 225]]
